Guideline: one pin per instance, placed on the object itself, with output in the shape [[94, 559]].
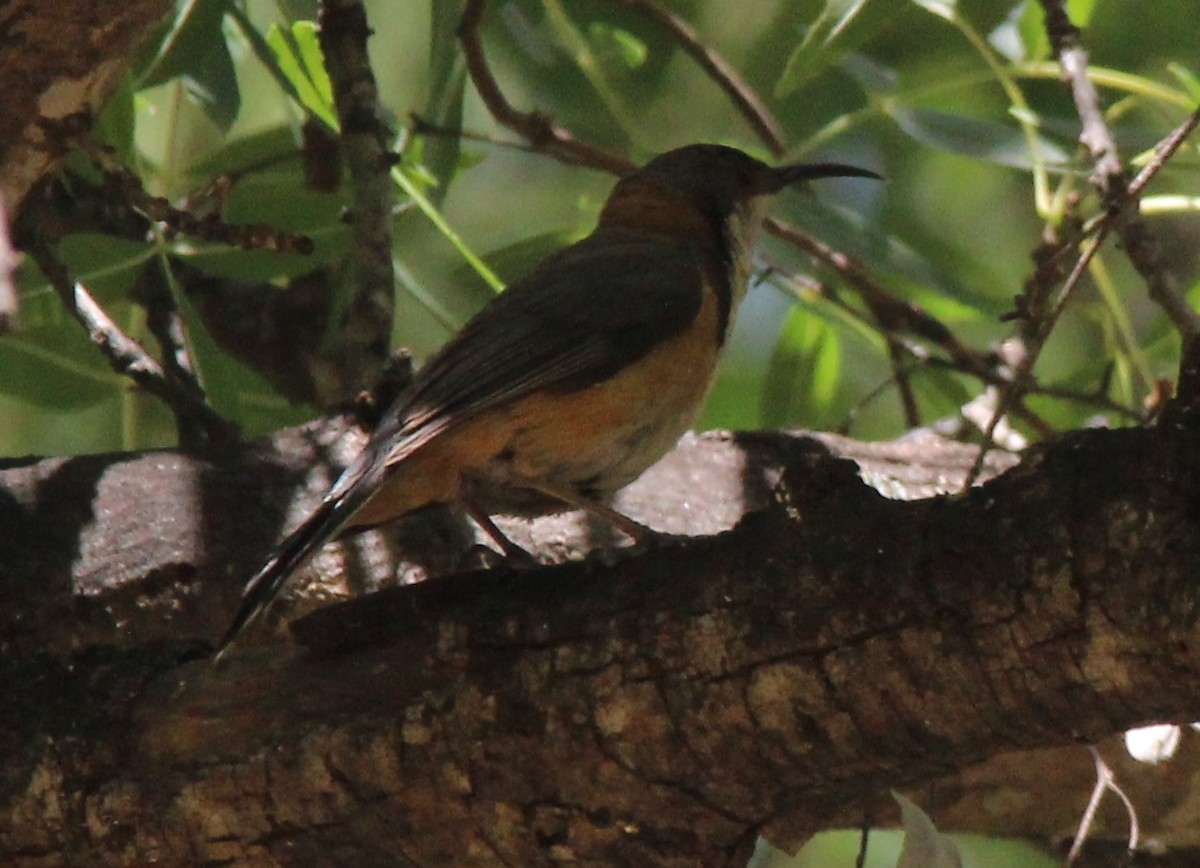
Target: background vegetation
[[960, 106]]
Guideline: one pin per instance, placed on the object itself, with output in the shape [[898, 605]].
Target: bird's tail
[[288, 557]]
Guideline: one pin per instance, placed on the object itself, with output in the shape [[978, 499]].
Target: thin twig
[[1121, 212], [1105, 782], [1163, 152], [892, 313], [74, 130], [1109, 174], [912, 319], [165, 322], [717, 68], [364, 334], [908, 398], [864, 838], [9, 260], [538, 129], [128, 357], [1140, 244], [420, 126], [1022, 373]]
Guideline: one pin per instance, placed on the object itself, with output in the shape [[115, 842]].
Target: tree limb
[[771, 679]]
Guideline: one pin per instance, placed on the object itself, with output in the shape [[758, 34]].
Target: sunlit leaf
[[1080, 11], [308, 44], [293, 51], [941, 8], [620, 42], [1032, 29], [804, 371], [1187, 78]]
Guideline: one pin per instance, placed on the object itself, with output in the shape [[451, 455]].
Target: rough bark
[[661, 709], [58, 59]]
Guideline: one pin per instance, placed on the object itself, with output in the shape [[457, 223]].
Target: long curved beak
[[783, 176]]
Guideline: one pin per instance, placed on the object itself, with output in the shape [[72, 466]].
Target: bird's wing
[[581, 316]]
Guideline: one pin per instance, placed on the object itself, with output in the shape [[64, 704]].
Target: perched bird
[[579, 376]]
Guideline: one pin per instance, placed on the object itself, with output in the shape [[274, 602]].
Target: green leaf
[[839, 28], [980, 138], [441, 155], [871, 75], [1022, 35], [55, 368], [620, 43], [213, 85], [195, 32], [105, 264], [271, 147], [235, 389], [308, 44], [277, 202], [49, 361], [115, 126], [940, 392], [1080, 11], [1032, 29], [1187, 78], [804, 372], [299, 59]]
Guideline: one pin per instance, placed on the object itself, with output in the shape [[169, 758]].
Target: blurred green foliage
[[840, 848], [958, 105]]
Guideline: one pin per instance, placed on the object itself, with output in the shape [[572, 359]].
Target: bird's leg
[[636, 531], [511, 550]]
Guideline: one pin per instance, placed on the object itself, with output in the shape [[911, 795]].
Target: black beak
[[784, 176]]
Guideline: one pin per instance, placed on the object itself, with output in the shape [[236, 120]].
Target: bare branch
[[1046, 307], [1120, 198], [126, 356], [364, 336], [9, 260], [74, 130], [1141, 246], [717, 68], [538, 129]]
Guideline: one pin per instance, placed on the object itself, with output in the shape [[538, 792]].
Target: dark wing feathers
[[627, 295], [579, 317]]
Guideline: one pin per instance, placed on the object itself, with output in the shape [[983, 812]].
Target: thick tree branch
[[661, 711]]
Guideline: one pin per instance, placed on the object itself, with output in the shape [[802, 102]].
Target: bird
[[576, 378]]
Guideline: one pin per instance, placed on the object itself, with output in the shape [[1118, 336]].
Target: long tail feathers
[[288, 557]]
